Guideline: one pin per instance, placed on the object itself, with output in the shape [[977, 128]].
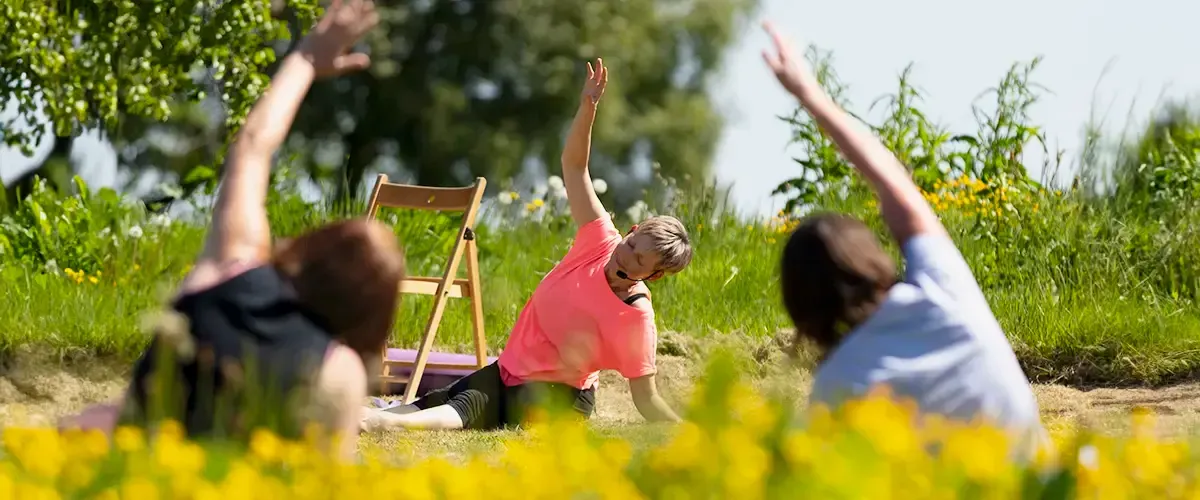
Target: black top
[[255, 346]]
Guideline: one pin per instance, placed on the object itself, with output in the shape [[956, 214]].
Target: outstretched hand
[[788, 68], [597, 79], [328, 45]]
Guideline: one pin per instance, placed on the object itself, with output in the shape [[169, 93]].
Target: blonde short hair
[[670, 240]]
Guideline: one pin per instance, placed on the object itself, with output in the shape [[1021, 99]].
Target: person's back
[[247, 358], [933, 339], [930, 337]]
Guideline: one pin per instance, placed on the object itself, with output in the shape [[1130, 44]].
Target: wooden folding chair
[[465, 200]]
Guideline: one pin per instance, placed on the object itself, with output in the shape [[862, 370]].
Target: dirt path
[[37, 390]]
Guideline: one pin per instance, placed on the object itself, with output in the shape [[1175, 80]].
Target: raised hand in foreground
[[327, 47], [903, 207], [788, 66]]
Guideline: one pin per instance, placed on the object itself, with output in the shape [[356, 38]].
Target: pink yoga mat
[[410, 356], [433, 378]]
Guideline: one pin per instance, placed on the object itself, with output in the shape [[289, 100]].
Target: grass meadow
[[1094, 278]]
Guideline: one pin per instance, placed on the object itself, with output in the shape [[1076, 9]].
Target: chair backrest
[[394, 195]]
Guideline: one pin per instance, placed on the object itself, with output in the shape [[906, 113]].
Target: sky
[[1102, 56]]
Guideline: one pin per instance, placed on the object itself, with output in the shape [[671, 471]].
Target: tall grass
[[1095, 282]]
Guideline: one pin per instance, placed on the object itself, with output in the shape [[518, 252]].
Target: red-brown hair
[[348, 274]]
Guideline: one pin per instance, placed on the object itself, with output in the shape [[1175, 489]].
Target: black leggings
[[484, 402]]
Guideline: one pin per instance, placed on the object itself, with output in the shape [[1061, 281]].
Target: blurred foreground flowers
[[736, 444]]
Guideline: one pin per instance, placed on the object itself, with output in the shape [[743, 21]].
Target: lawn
[[1086, 296], [1095, 279]]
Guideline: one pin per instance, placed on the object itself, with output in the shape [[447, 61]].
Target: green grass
[[1083, 321], [1097, 284], [458, 445], [55, 310]]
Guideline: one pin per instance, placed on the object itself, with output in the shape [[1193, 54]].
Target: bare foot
[[375, 420]]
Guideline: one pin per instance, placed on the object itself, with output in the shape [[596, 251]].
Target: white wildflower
[[51, 266], [637, 211], [160, 220], [556, 182], [733, 272], [539, 189], [600, 186], [135, 232], [559, 193], [505, 198]]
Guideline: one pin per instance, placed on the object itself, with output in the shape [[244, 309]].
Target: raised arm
[[239, 228], [585, 206], [905, 211]]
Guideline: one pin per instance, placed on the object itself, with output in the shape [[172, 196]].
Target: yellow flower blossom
[[737, 443]]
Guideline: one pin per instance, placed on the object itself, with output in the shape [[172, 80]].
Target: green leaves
[[931, 153], [463, 89], [96, 63]]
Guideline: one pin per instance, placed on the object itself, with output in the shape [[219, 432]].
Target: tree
[[460, 89], [105, 63], [457, 89]]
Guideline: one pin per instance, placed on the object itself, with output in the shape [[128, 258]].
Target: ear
[[633, 229], [656, 276]]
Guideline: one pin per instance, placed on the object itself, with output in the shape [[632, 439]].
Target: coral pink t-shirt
[[574, 325]]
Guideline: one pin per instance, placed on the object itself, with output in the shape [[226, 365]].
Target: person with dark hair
[[592, 312], [931, 336], [262, 337]]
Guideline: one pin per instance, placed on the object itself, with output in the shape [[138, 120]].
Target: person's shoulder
[[644, 303], [909, 313], [644, 307], [209, 277], [593, 240], [933, 262], [600, 226]]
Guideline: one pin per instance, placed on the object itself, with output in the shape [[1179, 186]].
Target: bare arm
[[648, 402], [239, 227], [905, 211], [585, 205], [343, 382]]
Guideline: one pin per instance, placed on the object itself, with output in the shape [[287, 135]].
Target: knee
[[471, 405]]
